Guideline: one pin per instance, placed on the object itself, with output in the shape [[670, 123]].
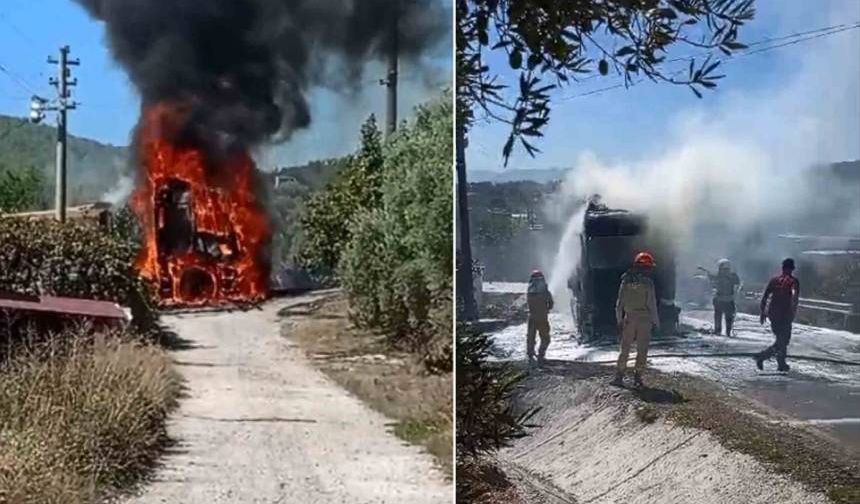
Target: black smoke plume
[[241, 68]]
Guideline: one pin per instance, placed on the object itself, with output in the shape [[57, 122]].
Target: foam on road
[[824, 388]]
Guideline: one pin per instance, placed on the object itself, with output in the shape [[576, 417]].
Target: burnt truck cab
[[609, 242]]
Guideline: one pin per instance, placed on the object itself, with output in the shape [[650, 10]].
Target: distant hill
[[93, 168], [541, 175], [313, 175]]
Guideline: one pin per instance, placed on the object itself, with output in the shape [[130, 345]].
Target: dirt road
[[260, 425]]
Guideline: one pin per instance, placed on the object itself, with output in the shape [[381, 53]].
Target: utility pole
[[391, 79], [38, 107]]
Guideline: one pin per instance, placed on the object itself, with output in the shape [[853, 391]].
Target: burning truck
[[205, 234], [609, 241]]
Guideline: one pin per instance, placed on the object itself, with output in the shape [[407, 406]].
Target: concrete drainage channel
[[599, 445]]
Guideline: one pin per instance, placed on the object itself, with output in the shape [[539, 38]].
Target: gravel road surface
[[261, 425]]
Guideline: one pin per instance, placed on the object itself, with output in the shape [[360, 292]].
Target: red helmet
[[537, 273], [644, 259]]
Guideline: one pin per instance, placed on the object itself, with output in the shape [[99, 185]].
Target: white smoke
[[741, 167], [120, 192]]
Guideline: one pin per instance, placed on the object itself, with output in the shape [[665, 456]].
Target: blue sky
[[622, 125], [31, 30]]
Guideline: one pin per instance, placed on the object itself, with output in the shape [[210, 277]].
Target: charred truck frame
[[609, 241], [212, 274]]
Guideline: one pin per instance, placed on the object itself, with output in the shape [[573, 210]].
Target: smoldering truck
[[609, 241]]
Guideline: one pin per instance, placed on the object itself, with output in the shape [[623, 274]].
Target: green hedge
[[385, 228], [44, 257]]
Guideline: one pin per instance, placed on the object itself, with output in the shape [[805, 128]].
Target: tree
[[327, 223], [21, 190], [553, 42]]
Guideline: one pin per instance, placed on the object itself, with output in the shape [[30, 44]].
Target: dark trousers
[[782, 330], [721, 309], [539, 325]]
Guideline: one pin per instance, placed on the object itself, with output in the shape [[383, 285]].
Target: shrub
[[79, 415], [384, 227], [396, 268], [44, 257], [486, 418], [329, 217]]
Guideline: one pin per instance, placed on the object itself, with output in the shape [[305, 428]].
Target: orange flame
[[205, 233]]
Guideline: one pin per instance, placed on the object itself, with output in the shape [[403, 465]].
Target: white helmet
[[724, 264]]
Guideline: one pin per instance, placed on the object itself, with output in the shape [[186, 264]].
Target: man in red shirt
[[784, 294]]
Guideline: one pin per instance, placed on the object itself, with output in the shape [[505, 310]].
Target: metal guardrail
[[823, 304], [820, 312], [809, 303]]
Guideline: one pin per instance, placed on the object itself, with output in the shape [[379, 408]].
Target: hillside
[[541, 175], [94, 168]]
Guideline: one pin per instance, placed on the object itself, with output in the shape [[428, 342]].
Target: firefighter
[[783, 291], [636, 315], [540, 303], [726, 284]]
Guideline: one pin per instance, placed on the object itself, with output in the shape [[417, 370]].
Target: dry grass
[[81, 416], [392, 382]]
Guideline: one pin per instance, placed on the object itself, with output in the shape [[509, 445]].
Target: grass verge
[[392, 382], [81, 417]]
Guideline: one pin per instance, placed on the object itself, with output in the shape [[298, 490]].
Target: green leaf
[[667, 13], [624, 51], [515, 59]]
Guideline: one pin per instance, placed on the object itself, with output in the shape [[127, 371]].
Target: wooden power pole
[[391, 79], [62, 82]]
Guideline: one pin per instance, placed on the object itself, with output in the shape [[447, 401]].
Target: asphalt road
[[261, 425]]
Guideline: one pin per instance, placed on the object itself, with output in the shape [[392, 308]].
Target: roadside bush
[[80, 415], [384, 227], [396, 268], [329, 218], [44, 257], [486, 419]]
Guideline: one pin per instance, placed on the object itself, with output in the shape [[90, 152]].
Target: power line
[[23, 84], [26, 38], [818, 33]]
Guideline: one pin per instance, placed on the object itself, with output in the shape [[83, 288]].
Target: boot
[[637, 380], [782, 367], [618, 381], [759, 362]]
